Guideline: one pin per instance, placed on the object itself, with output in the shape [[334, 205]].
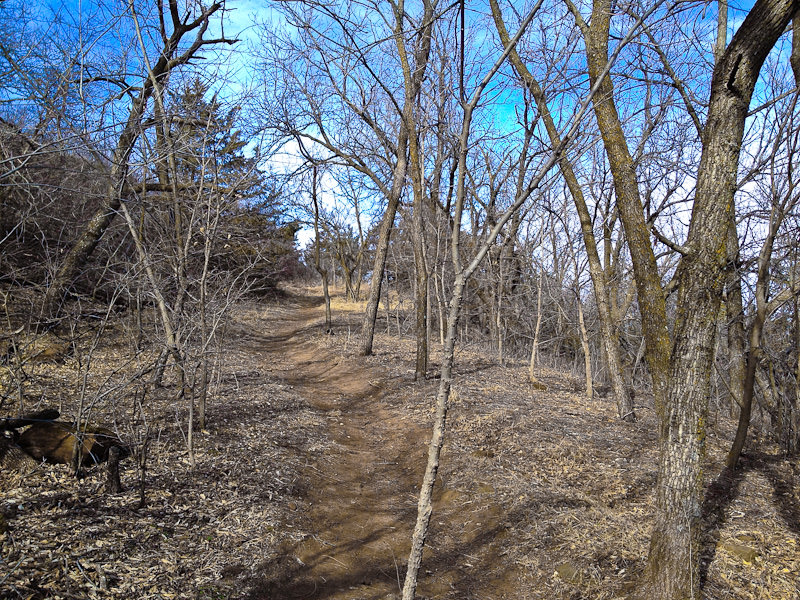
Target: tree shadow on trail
[[285, 578], [721, 493]]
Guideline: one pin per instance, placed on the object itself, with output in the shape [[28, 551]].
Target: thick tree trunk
[[673, 565], [673, 562]]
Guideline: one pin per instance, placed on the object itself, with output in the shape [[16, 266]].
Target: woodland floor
[[305, 484]]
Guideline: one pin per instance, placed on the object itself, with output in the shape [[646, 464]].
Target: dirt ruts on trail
[[359, 499]]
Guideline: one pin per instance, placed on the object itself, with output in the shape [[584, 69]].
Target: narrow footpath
[[359, 499], [360, 496]]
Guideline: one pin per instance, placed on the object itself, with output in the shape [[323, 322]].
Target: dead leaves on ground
[[565, 484]]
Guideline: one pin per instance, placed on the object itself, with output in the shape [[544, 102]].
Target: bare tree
[[681, 401], [601, 285], [173, 27]]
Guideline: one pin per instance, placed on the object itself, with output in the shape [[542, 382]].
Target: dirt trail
[[360, 497]]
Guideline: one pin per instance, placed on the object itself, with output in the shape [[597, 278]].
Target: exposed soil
[[305, 486], [361, 495]]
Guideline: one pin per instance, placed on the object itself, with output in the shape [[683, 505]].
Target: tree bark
[[673, 564], [587, 356], [381, 252], [113, 483], [421, 294], [756, 328], [425, 505], [734, 306], [793, 437]]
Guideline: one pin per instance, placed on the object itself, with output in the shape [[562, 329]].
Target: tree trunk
[[737, 358], [323, 273], [413, 75], [793, 445], [681, 370], [381, 252], [587, 355], [421, 316], [462, 274], [624, 399], [537, 327], [425, 505], [756, 329], [113, 483], [673, 563], [420, 269]]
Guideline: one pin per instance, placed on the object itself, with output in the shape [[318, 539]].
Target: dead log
[[55, 442]]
